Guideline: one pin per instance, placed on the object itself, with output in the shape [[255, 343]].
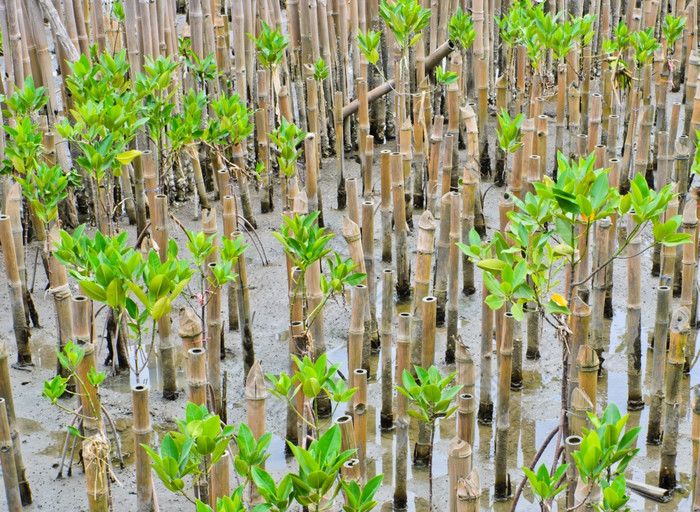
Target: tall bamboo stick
[[485, 400], [386, 206], [441, 261], [197, 376], [634, 322], [503, 417], [142, 436], [424, 259], [453, 278], [368, 268], [459, 464], [580, 322], [387, 414], [403, 283], [696, 447], [7, 460], [228, 204], [357, 327], [674, 368], [469, 493], [95, 459], [360, 412], [19, 319], [661, 321], [403, 347], [244, 312]]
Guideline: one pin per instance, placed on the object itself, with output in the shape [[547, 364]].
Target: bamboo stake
[[387, 413], [6, 394], [7, 460], [673, 396], [442, 259], [580, 322], [228, 203], [403, 283], [581, 405], [295, 330], [360, 413], [19, 319], [339, 149], [469, 493], [635, 400], [603, 229], [89, 399], [689, 293], [403, 342], [453, 278], [661, 321], [428, 331], [142, 436], [190, 329], [357, 327], [424, 258], [695, 436], [466, 417], [95, 460], [197, 375], [386, 206], [368, 268], [588, 366], [469, 187], [502, 407], [459, 464], [353, 200], [244, 312], [485, 400]]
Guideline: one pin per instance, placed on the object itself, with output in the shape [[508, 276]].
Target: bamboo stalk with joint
[[89, 399], [581, 405], [588, 366], [244, 312], [357, 327], [359, 408], [228, 203], [434, 163], [453, 277], [405, 147], [353, 200], [243, 189], [213, 342], [296, 327], [442, 259], [386, 206], [467, 222], [695, 435], [197, 375], [142, 436], [403, 341], [668, 253], [673, 397], [339, 149], [482, 80], [635, 400], [603, 232], [451, 162], [466, 417], [459, 464], [403, 283], [656, 398], [351, 232], [485, 400], [387, 412], [7, 462], [580, 323], [312, 174], [424, 259], [502, 407], [689, 271], [59, 288], [368, 257]]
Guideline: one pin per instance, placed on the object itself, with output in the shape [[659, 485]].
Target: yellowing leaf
[[127, 156], [560, 300]]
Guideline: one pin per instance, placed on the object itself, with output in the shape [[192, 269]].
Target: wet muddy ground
[[534, 410]]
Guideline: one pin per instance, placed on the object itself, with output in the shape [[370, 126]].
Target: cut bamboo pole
[[89, 399], [588, 366], [635, 400], [7, 461], [459, 464], [359, 408], [580, 322], [6, 394], [386, 206], [353, 200], [403, 279], [429, 307], [142, 436], [673, 396], [357, 327], [532, 323], [658, 366], [387, 413], [197, 376], [689, 294], [469, 493], [603, 231], [190, 329], [442, 258], [466, 417], [19, 318], [95, 460], [453, 278], [347, 432], [581, 405], [368, 268], [255, 395], [296, 327], [244, 312], [424, 258], [213, 316], [501, 490], [695, 435], [403, 347], [486, 367], [228, 204]]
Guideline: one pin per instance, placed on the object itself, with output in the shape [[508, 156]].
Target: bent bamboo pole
[[7, 461]]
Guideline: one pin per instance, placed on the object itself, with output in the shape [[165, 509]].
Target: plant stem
[[430, 466]]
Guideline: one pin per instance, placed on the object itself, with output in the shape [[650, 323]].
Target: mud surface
[[534, 411]]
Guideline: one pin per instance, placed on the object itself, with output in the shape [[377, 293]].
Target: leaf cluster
[[431, 394]]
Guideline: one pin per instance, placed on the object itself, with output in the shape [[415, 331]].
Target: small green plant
[[270, 44], [406, 19], [369, 44], [644, 44], [278, 497], [360, 499], [445, 77], [615, 496], [461, 29], [509, 136], [321, 71], [544, 486], [432, 398]]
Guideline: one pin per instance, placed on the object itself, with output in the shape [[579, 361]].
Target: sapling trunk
[[635, 400], [6, 394], [244, 312], [7, 461], [459, 464], [403, 279], [656, 398], [424, 259], [673, 396], [142, 436], [453, 278], [19, 319], [387, 413], [502, 490]]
